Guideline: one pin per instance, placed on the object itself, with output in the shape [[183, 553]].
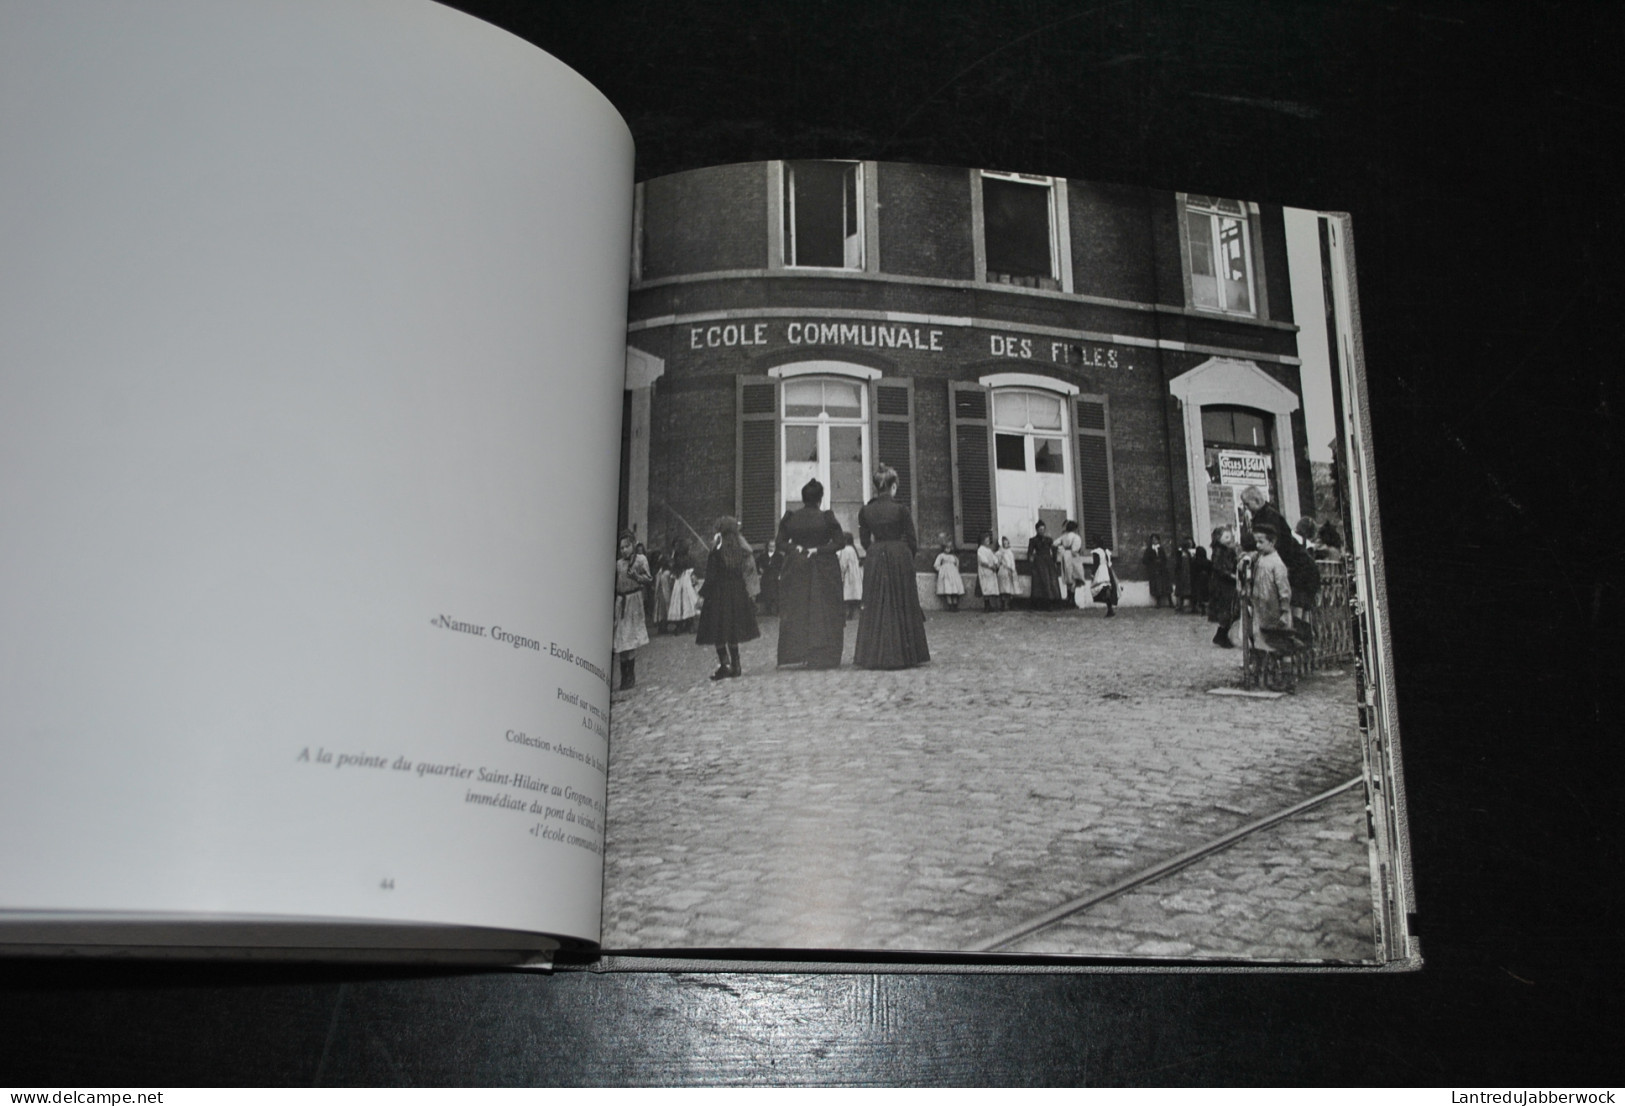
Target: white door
[[826, 437], [1032, 464]]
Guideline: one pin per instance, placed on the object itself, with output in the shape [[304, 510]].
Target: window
[[1219, 255], [1024, 450], [1238, 448], [823, 214], [1022, 231], [1236, 426], [1032, 477], [828, 420], [825, 435]]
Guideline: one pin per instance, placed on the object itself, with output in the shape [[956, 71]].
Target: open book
[[999, 577]]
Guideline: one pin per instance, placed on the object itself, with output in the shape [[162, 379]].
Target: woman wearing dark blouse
[[812, 616], [1046, 568], [891, 626]]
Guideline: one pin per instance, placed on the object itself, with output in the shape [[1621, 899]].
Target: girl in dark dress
[[769, 562], [1184, 570], [1223, 604], [727, 617], [1155, 560], [812, 616], [1201, 567], [891, 626], [1046, 568]]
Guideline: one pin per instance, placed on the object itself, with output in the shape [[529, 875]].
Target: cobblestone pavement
[[1038, 757], [1255, 899]]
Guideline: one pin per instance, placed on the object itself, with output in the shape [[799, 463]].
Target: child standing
[[1007, 573], [768, 562], [728, 616], [631, 573], [1223, 604], [1070, 547], [685, 600], [851, 577], [987, 572], [1158, 571], [1270, 596], [950, 585], [1104, 584], [663, 582], [1184, 572]]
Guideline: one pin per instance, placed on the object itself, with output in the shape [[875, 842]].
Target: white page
[[311, 333]]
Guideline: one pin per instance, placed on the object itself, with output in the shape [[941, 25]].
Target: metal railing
[[1324, 639]]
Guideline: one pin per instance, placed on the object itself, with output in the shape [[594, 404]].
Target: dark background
[[1474, 145]]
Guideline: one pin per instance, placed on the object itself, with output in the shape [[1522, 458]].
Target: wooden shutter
[[891, 417], [756, 453], [1097, 500], [970, 416]]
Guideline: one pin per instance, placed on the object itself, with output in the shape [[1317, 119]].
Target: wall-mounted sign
[[1075, 354], [1240, 468], [1221, 507]]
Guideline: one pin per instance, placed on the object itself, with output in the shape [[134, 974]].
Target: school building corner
[[1018, 348]]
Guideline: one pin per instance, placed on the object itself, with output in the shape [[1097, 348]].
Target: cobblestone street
[[1038, 758]]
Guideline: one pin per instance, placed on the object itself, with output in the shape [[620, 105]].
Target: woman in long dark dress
[[727, 617], [891, 626], [1046, 568], [812, 617]]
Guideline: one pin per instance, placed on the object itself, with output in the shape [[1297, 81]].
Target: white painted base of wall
[[1131, 593]]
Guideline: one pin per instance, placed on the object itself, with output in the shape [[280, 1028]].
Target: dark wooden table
[[1473, 144]]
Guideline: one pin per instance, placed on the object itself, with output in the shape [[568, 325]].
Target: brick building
[[1017, 347]]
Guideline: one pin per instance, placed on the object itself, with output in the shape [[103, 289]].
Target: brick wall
[[706, 220], [691, 453], [1111, 227], [693, 437], [1125, 245], [925, 221], [1169, 259], [1140, 461], [1277, 274]]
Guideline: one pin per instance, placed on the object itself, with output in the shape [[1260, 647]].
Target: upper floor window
[[823, 214], [1219, 253], [1022, 230]]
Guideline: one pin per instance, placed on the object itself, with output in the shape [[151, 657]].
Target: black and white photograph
[[991, 575], [890, 544]]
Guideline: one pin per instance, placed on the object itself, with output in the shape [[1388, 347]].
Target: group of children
[[1250, 569], [1178, 576], [671, 599], [1253, 570], [996, 572]]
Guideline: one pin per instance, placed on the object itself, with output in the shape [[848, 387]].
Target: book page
[[311, 342], [1006, 667]]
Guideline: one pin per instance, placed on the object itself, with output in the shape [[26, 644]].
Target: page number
[[386, 885]]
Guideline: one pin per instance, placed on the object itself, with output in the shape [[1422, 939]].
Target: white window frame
[[1246, 214], [1033, 385], [1227, 382], [1060, 232], [783, 208], [790, 497]]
